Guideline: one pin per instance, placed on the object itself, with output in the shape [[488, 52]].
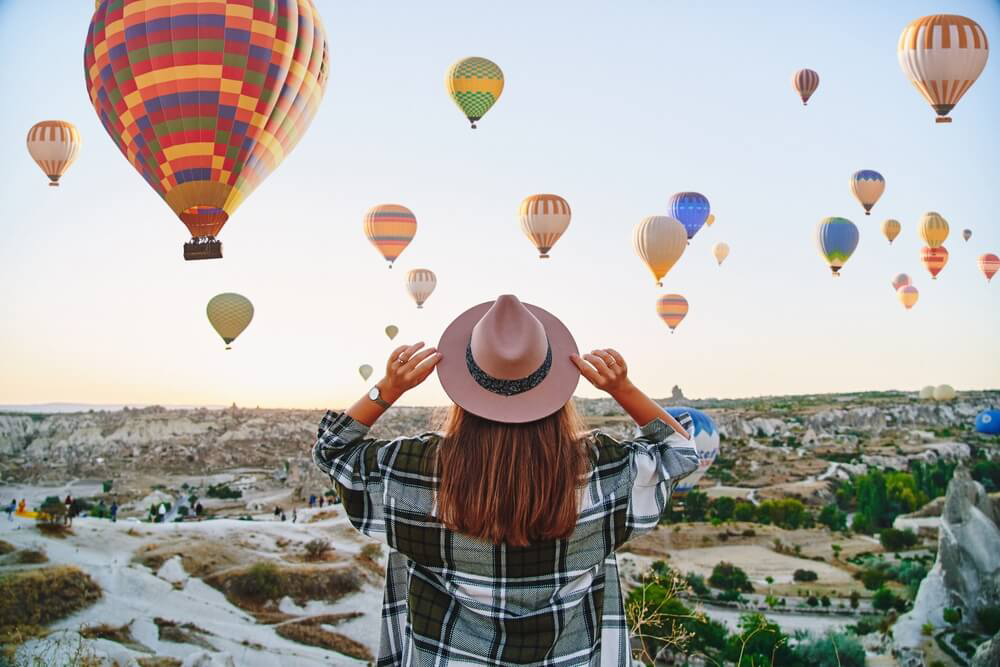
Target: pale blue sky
[[614, 106]]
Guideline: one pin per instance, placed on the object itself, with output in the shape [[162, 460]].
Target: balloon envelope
[[989, 264], [706, 441], [988, 422], [710, 220], [900, 280], [891, 229], [205, 99], [867, 186], [944, 392], [908, 295], [391, 331], [691, 209], [942, 55], [966, 234], [805, 82], [229, 313], [672, 308], [420, 283], [365, 371], [934, 259], [837, 239], [721, 251], [927, 392], [53, 145], [933, 229], [475, 85], [544, 218], [390, 228], [659, 241]]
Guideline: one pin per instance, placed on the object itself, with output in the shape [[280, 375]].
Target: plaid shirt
[[455, 601]]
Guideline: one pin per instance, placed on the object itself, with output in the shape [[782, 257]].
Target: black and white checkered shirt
[[455, 601]]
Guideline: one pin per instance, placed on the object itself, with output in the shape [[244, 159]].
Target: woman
[[503, 529]]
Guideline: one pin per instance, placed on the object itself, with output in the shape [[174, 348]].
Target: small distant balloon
[[989, 264], [672, 308], [721, 251], [475, 85], [710, 220], [927, 392], [908, 295], [390, 228], [867, 186], [934, 260], [805, 82], [988, 422], [933, 229], [891, 229], [659, 241], [391, 331], [900, 280], [966, 234], [837, 239], [366, 371], [544, 218], [53, 145], [944, 392], [691, 209], [420, 283], [229, 314]]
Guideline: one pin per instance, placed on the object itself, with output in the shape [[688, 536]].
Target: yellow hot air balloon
[[891, 229], [721, 251], [391, 331], [544, 218], [933, 229], [365, 371], [944, 392], [659, 241], [908, 295], [420, 283], [475, 85], [710, 220], [229, 315], [672, 308], [390, 228], [53, 145]]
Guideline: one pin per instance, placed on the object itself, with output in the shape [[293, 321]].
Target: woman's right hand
[[605, 369]]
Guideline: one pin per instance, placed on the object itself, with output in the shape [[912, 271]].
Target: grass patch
[[159, 661], [58, 531], [39, 597], [28, 557], [313, 635], [263, 583], [6, 548], [322, 515], [181, 633]]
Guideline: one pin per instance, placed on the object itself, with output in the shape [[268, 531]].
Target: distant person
[[100, 508], [114, 511], [513, 468], [321, 501], [312, 500], [21, 505], [282, 516], [295, 515], [198, 510], [162, 513], [277, 511], [10, 509]]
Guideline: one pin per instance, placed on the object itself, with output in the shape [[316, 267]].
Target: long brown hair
[[513, 484]]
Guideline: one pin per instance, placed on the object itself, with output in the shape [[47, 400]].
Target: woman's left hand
[[407, 367]]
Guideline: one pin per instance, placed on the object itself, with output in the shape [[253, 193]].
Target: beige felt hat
[[508, 361]]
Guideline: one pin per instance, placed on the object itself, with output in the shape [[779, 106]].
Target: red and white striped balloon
[[934, 259], [805, 82], [989, 264]]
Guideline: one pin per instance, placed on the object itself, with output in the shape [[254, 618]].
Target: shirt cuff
[[658, 431], [342, 428]]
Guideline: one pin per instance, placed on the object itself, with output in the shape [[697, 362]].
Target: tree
[[695, 505], [744, 510], [825, 600], [805, 575], [836, 548], [723, 507], [834, 649], [855, 599], [760, 643], [897, 540], [884, 599], [812, 601], [728, 577], [833, 517]]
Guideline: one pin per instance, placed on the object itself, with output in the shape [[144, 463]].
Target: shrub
[[313, 635], [873, 578], [223, 491], [833, 517], [729, 577], [884, 599], [749, 532], [744, 510], [696, 583], [30, 557], [183, 510], [927, 629], [729, 596], [825, 600], [989, 618], [835, 649], [260, 582], [855, 599], [897, 540], [44, 595], [317, 548], [812, 601], [805, 575], [952, 615]]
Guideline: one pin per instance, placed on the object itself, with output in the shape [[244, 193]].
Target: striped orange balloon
[[933, 229], [891, 229], [544, 218], [672, 308], [390, 228], [805, 82], [989, 264], [53, 145], [908, 295], [934, 259]]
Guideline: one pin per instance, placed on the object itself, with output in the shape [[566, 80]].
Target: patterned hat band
[[507, 387]]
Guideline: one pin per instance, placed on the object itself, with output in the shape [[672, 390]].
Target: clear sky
[[614, 106]]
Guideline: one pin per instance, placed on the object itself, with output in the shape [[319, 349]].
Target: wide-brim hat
[[508, 361]]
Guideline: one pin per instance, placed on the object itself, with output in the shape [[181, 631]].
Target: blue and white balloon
[[691, 209], [988, 422], [706, 441]]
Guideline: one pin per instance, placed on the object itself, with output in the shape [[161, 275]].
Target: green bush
[[261, 581], [897, 540], [44, 595], [873, 578], [805, 575], [884, 600], [223, 491], [696, 583], [728, 577], [952, 615], [834, 649], [812, 601], [989, 618]]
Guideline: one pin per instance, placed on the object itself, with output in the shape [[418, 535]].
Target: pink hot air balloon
[[989, 264], [900, 280], [805, 82]]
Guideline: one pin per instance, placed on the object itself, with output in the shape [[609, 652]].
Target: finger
[[599, 364], [394, 357], [586, 370], [416, 359], [421, 372], [608, 359], [617, 357], [405, 355]]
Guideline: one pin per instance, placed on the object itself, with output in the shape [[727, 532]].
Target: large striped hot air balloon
[[943, 56], [420, 283], [691, 209], [229, 314], [867, 186], [205, 99], [805, 82], [475, 84], [908, 295], [544, 218], [901, 280], [933, 229], [989, 264], [53, 145], [390, 228], [672, 308], [720, 251], [659, 241], [891, 229], [706, 442], [837, 238], [934, 259]]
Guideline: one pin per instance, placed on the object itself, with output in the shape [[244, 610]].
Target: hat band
[[507, 387]]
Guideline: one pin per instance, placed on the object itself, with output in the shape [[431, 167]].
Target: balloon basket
[[53, 184], [543, 256], [942, 119], [208, 248], [420, 306]]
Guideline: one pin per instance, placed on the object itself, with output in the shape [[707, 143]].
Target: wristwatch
[[376, 396]]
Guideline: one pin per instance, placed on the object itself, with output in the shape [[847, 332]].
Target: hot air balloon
[[867, 186], [544, 218], [944, 392], [721, 251], [710, 220], [927, 393], [989, 264], [691, 209], [908, 295], [933, 229], [53, 145], [966, 234], [205, 99], [900, 280], [891, 229], [229, 315], [391, 331], [659, 242], [934, 259], [420, 283], [988, 422], [837, 239], [706, 442], [390, 228], [475, 84], [365, 371], [805, 82], [672, 308], [943, 56]]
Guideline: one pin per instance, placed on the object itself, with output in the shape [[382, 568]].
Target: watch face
[[373, 394]]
